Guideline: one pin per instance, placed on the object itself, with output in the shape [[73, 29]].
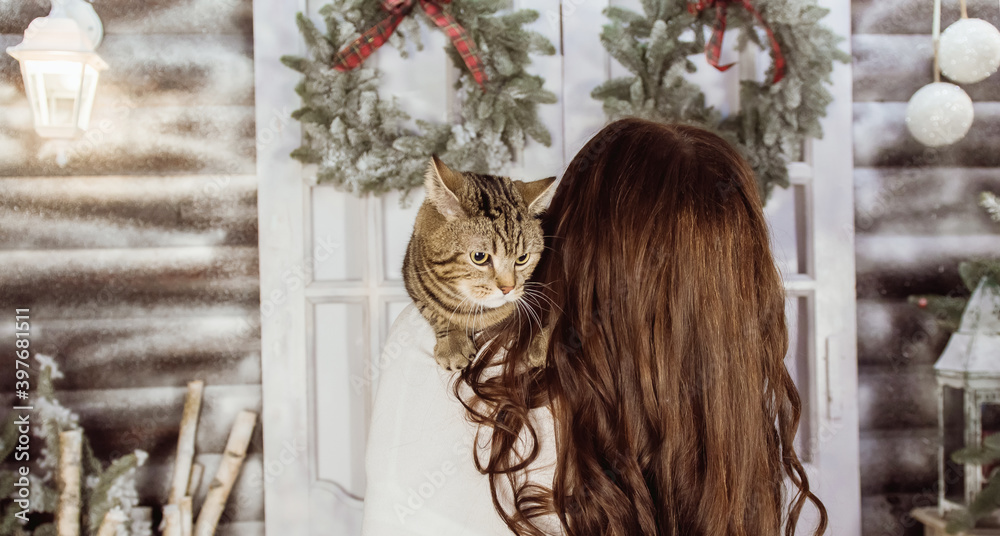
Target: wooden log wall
[[917, 218], [138, 258]]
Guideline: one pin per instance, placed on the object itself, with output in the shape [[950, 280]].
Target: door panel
[[334, 261], [782, 211], [339, 250], [339, 393], [799, 361], [397, 222]]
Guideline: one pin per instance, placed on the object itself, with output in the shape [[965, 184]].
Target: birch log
[[112, 520], [225, 477], [186, 508], [68, 508], [185, 442], [171, 524], [197, 470], [141, 521]]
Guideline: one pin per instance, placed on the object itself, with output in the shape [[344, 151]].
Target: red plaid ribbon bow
[[353, 54], [713, 49]]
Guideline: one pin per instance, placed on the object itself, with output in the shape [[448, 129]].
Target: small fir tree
[[104, 488]]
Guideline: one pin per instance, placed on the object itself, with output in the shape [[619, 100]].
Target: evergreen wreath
[[358, 138], [775, 117]]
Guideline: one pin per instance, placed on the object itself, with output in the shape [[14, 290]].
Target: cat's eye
[[523, 259], [478, 257]]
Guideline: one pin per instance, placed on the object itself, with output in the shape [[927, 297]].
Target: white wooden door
[[330, 262]]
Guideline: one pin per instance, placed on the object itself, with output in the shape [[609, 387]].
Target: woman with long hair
[[664, 406]]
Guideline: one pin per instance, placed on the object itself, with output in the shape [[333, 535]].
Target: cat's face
[[489, 238], [494, 257]]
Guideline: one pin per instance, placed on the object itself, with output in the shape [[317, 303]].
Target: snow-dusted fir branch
[[103, 488], [991, 203]]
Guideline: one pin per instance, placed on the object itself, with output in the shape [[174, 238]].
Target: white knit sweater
[[421, 475]]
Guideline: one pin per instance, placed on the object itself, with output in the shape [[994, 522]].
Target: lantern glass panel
[[61, 94], [953, 413], [991, 425]]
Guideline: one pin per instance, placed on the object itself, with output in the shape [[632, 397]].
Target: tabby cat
[[475, 242]]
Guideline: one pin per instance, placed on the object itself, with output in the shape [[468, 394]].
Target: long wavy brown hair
[[674, 412]]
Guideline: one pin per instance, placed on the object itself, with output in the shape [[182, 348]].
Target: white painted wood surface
[[330, 264]]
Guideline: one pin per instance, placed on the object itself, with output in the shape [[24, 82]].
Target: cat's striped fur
[[475, 242]]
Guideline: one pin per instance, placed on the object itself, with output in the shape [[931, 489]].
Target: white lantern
[[968, 377], [939, 114], [60, 68]]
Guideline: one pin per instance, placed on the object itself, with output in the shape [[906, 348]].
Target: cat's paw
[[454, 353], [536, 356], [452, 361], [538, 350]]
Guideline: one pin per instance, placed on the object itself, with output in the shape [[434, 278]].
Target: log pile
[[178, 512]]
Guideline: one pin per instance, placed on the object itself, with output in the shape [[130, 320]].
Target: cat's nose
[[506, 290]]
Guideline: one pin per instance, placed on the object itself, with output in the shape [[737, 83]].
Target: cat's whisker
[[475, 319], [539, 294], [470, 330], [532, 295], [535, 295], [452, 317], [470, 327], [537, 288], [530, 302], [532, 314], [541, 327], [465, 323]]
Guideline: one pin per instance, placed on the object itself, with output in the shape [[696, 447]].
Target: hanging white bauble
[[939, 114], [969, 51]]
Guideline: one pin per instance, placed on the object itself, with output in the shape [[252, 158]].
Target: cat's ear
[[443, 185], [537, 194]]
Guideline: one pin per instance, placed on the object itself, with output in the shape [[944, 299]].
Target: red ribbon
[[713, 49], [356, 52]]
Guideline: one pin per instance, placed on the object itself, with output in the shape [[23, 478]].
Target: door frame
[[283, 273]]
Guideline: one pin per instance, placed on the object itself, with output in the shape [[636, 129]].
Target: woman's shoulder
[[410, 338], [421, 474], [409, 324], [407, 354]]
